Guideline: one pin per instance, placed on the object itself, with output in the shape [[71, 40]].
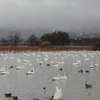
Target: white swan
[[30, 72], [56, 78], [64, 77], [76, 63], [58, 94], [30, 64], [97, 64], [5, 71], [55, 64], [19, 67], [91, 66], [2, 69], [86, 59], [19, 59]]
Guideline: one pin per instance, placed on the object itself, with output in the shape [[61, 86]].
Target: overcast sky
[[49, 15]]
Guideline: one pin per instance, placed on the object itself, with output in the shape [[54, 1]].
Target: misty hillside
[[84, 35]]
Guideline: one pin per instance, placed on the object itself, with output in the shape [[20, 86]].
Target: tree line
[[57, 38]]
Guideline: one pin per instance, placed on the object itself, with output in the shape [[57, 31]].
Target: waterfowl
[[80, 71], [14, 98], [55, 64], [19, 67], [97, 64], [64, 77], [75, 63], [48, 64], [56, 78], [8, 95], [87, 71], [60, 69], [19, 59], [2, 69], [44, 88], [30, 72], [11, 67], [91, 66], [88, 86], [5, 71], [58, 94], [86, 59], [30, 64]]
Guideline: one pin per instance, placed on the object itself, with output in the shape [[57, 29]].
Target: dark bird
[[14, 98], [60, 69], [87, 71], [8, 95], [88, 86], [11, 67], [80, 71], [44, 88], [48, 64]]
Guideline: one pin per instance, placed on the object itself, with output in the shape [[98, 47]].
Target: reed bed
[[50, 48]]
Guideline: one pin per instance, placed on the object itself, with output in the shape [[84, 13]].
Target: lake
[[27, 87]]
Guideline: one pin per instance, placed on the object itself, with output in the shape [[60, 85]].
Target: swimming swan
[[56, 78], [5, 71], [30, 72], [91, 66], [64, 77], [58, 94]]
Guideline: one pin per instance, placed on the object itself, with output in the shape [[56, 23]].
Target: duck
[[56, 78], [8, 95], [14, 98], [87, 71], [60, 69], [58, 94], [80, 71], [88, 86]]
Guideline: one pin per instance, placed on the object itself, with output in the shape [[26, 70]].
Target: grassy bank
[[50, 48]]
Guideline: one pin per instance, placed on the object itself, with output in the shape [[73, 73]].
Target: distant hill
[[84, 35]]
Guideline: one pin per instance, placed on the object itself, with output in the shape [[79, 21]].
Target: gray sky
[[43, 16]]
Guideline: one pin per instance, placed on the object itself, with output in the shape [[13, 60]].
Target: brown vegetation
[[49, 48], [45, 44]]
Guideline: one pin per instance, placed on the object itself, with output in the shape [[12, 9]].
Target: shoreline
[[50, 48]]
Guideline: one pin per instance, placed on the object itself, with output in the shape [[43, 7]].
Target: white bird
[[76, 63], [86, 59], [19, 59], [64, 77], [30, 64], [5, 71], [97, 64], [55, 64], [30, 72], [58, 94], [2, 69], [56, 78], [91, 66], [19, 67]]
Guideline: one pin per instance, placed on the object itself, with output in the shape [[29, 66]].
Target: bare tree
[[14, 38]]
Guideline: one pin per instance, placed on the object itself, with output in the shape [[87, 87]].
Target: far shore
[[49, 48]]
